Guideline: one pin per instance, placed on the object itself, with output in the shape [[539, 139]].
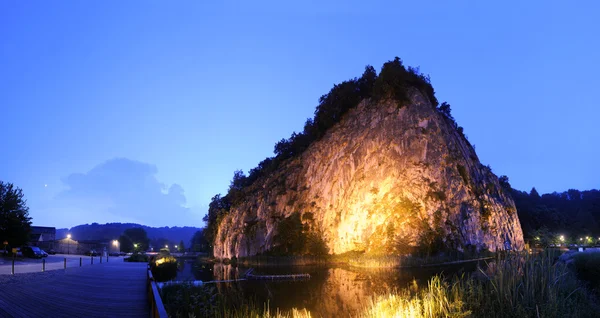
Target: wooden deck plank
[[103, 290]]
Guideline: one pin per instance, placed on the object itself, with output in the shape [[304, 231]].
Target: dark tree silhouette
[[125, 244], [199, 242], [14, 216], [138, 236], [573, 214]]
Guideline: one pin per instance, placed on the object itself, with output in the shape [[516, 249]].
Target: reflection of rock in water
[[225, 272], [343, 292], [346, 291]]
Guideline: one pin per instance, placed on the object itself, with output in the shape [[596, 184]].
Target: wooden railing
[[157, 309]]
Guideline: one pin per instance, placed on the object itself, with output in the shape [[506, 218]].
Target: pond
[[332, 291]]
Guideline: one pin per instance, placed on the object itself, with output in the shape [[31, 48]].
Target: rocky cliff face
[[383, 179]]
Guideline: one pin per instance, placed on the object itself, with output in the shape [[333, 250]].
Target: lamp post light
[[116, 245], [68, 243], [135, 246]]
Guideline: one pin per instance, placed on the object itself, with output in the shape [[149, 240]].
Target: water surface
[[332, 291]]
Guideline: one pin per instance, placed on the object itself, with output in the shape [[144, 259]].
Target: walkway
[[114, 289]]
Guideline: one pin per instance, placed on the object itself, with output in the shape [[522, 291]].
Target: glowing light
[[115, 242], [135, 245], [69, 236], [562, 238], [160, 261], [580, 239], [166, 246]]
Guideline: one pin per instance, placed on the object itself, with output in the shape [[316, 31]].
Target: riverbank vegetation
[[515, 285], [518, 286]]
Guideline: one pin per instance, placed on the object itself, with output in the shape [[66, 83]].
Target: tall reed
[[518, 285]]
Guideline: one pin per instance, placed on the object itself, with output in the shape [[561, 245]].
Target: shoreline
[[373, 263]]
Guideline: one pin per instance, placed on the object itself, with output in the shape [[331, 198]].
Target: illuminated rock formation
[[384, 179]]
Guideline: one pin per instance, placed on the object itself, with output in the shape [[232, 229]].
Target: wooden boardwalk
[[114, 289]]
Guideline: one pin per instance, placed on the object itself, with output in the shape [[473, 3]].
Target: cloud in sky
[[123, 190]]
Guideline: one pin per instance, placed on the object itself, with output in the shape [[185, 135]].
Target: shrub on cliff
[[295, 238], [395, 81]]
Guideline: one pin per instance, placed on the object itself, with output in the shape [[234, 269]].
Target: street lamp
[[68, 243], [135, 247], [116, 244], [166, 246]]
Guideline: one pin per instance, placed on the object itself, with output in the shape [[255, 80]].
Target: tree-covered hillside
[[112, 231], [574, 214]]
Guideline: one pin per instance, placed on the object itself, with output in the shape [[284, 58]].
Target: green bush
[[164, 268], [587, 268], [463, 173], [164, 251], [183, 300], [137, 258]]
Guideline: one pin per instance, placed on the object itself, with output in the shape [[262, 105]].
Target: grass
[[437, 300], [187, 300], [517, 286]]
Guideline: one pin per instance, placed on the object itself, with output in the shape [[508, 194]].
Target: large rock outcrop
[[382, 178]]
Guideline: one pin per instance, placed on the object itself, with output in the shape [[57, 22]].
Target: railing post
[[100, 259], [13, 266], [43, 265], [65, 260], [92, 262], [80, 259]]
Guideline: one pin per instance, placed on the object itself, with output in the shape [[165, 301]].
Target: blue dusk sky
[[141, 110]]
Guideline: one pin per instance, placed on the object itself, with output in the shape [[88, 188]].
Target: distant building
[[71, 246], [42, 236]]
